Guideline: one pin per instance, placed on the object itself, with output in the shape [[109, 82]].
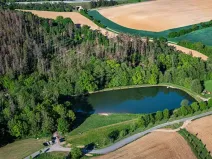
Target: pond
[[133, 100]]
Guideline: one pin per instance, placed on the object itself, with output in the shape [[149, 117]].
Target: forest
[[57, 7], [60, 7], [45, 61]]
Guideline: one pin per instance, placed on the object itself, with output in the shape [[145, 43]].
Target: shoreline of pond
[[196, 96]]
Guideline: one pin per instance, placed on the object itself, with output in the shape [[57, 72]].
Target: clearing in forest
[[202, 127], [159, 15], [160, 145]]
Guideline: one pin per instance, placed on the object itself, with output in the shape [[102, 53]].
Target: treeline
[[191, 29], [97, 22], [196, 145], [103, 3], [149, 120], [45, 61], [207, 50], [57, 7]]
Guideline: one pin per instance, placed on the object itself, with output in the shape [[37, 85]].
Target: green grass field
[[97, 121], [96, 128], [99, 136], [208, 85], [203, 35], [53, 155], [21, 148]]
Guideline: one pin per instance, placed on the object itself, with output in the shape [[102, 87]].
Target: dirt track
[[158, 15], [158, 145], [76, 18], [203, 127]]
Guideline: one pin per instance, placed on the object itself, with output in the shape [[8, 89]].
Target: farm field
[[77, 18], [160, 15], [203, 127], [167, 145], [203, 35], [22, 148]]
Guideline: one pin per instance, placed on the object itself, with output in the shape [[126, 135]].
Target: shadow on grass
[[80, 106]]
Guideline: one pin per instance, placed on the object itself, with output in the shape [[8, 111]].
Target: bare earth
[[203, 127], [158, 15], [160, 145], [77, 18]]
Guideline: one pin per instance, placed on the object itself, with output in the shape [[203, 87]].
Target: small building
[[79, 8]]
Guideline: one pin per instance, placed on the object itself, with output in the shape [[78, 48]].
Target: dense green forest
[[61, 7], [57, 7], [44, 61]]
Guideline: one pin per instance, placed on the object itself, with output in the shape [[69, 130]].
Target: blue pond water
[[134, 100]]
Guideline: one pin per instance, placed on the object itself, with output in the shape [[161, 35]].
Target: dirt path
[[185, 124], [189, 51]]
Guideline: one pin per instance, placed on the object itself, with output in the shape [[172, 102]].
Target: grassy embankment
[[21, 148], [99, 135], [53, 155], [196, 145]]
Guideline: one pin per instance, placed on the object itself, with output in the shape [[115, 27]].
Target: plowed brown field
[[157, 145], [203, 127], [158, 15]]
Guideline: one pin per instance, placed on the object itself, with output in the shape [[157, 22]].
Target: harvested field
[[77, 18], [160, 15], [158, 145], [203, 127]]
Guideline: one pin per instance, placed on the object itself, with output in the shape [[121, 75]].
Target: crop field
[[203, 35], [136, 19], [159, 15], [202, 127], [160, 145]]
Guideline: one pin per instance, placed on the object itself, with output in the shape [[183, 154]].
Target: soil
[[202, 127], [159, 15], [160, 145]]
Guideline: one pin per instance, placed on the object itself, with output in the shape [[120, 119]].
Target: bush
[[184, 102], [123, 133], [113, 135], [133, 127], [76, 153]]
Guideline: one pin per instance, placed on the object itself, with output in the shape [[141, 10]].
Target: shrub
[[123, 133], [76, 153], [113, 135]]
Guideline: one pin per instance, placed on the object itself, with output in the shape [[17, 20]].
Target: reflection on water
[[134, 100]]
